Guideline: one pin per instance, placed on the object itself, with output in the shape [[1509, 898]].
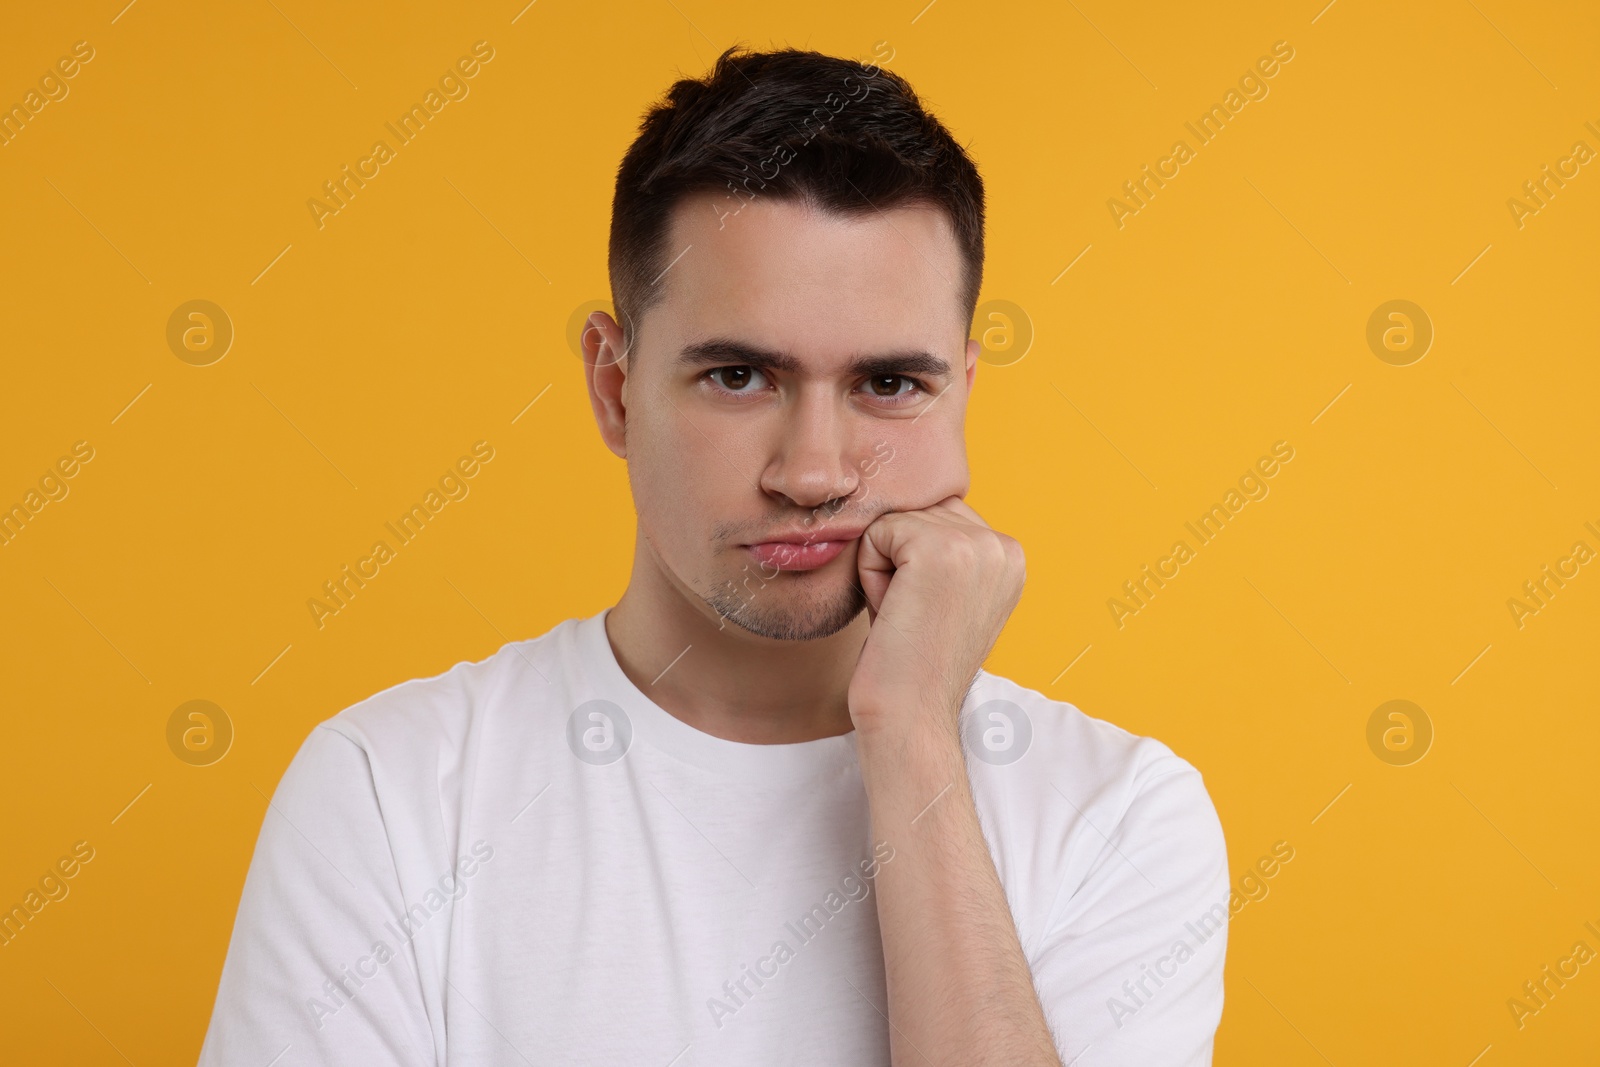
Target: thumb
[[875, 563]]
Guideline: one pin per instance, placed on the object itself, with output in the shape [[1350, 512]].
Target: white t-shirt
[[525, 861]]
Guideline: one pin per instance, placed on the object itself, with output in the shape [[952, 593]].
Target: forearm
[[960, 991]]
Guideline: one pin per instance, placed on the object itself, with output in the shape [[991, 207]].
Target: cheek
[[681, 482], [920, 466]]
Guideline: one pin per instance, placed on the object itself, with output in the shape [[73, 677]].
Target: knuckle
[[960, 550]]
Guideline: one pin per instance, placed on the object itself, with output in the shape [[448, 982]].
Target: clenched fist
[[940, 585]]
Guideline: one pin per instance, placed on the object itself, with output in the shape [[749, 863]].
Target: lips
[[803, 551]]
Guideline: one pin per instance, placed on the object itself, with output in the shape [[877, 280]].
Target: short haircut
[[846, 137]]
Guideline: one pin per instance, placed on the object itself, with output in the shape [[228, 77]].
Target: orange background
[[1230, 312]]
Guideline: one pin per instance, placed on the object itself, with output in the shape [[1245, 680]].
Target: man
[[768, 808]]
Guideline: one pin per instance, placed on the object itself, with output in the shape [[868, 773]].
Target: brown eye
[[733, 379], [887, 384]]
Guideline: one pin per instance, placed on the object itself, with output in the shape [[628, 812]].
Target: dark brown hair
[[847, 137]]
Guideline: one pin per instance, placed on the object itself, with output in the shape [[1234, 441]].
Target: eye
[[896, 388], [736, 379]]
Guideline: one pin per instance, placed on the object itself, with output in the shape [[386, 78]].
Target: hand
[[940, 584]]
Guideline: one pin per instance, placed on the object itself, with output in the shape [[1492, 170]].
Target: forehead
[[817, 285]]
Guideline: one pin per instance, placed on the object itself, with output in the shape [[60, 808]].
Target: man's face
[[804, 374]]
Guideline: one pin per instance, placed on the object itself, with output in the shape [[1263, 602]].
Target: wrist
[[911, 747], [901, 711]]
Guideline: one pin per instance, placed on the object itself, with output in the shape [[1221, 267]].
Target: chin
[[783, 616]]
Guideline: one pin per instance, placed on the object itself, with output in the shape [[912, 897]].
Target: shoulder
[[1006, 725], [404, 764], [438, 715], [1077, 807], [419, 749], [1115, 865]]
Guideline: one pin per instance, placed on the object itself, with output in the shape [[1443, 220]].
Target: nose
[[811, 461]]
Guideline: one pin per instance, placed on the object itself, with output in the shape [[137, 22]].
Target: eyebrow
[[725, 351]]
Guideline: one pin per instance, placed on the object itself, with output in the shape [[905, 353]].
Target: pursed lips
[[804, 551]]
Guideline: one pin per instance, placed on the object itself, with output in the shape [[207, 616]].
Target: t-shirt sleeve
[[314, 974], [1129, 972]]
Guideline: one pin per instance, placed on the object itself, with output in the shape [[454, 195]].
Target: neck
[[730, 683]]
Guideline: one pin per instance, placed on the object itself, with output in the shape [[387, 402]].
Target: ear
[[973, 348], [605, 368]]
